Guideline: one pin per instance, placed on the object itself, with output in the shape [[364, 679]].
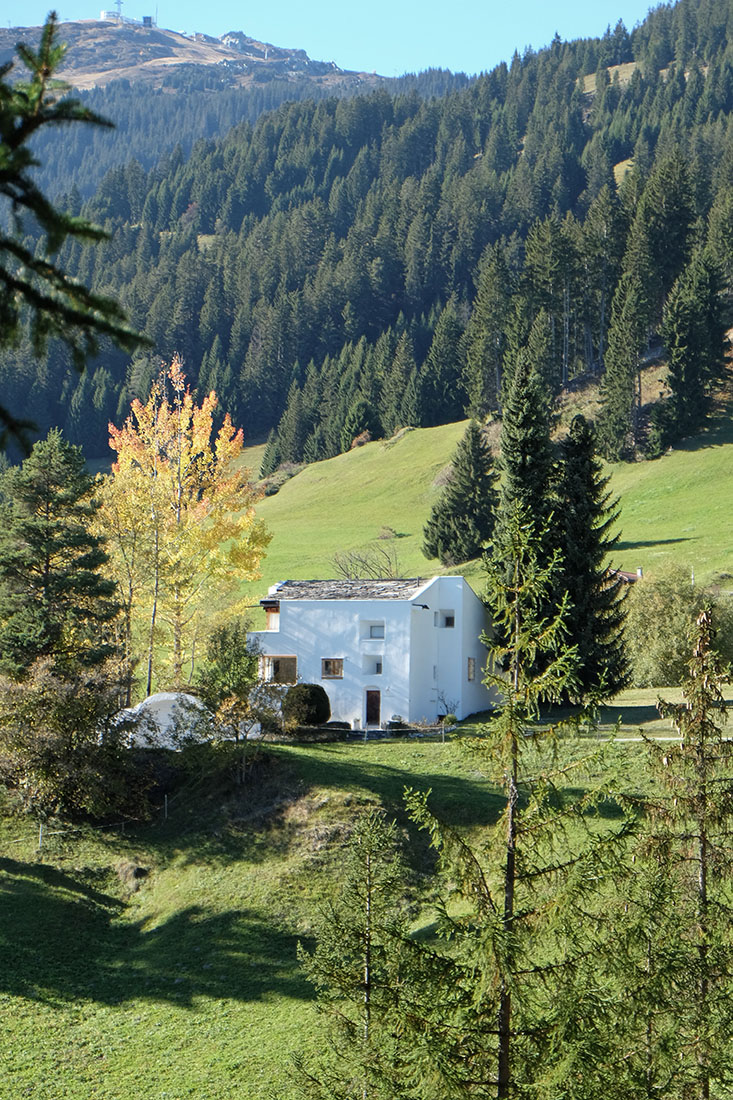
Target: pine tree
[[617, 426], [693, 332], [512, 1009], [485, 336], [355, 968], [526, 455], [30, 277], [461, 522], [595, 615], [55, 600], [676, 1028]]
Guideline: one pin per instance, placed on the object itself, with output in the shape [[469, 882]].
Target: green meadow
[[184, 981], [675, 510]]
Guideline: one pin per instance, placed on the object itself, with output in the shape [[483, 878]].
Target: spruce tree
[[595, 615], [355, 968], [512, 1008], [461, 522], [675, 1031], [693, 332], [526, 455], [617, 426], [55, 601]]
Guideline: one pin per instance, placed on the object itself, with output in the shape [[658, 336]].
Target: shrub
[[306, 705]]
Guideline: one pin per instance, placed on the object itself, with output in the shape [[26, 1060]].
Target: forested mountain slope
[[354, 265], [164, 90]]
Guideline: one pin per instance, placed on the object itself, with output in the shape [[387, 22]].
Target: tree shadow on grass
[[61, 942], [464, 801], [642, 543]]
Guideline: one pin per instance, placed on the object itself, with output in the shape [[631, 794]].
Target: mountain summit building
[[382, 649]]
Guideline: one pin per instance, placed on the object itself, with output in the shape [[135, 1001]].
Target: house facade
[[382, 649]]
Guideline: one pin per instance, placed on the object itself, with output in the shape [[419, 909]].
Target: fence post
[[40, 835], [165, 808]]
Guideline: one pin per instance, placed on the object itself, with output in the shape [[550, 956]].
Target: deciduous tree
[[201, 537]]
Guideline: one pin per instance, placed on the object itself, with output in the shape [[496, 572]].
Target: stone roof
[[404, 589]]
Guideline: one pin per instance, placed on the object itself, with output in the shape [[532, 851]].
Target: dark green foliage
[[595, 615], [526, 455], [681, 963], [515, 1006], [404, 248], [693, 332], [618, 421], [306, 705], [55, 601], [31, 279], [462, 520], [356, 970]]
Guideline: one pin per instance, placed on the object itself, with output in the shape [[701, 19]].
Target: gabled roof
[[404, 589]]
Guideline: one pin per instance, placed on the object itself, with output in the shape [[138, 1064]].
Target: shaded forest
[[353, 265]]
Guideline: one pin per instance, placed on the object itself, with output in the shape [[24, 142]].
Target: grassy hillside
[[189, 985], [673, 510]]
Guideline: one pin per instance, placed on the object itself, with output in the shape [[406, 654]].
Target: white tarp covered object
[[167, 720]]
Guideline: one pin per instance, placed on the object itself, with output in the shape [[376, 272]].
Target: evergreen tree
[[617, 427], [55, 601], [485, 338], [526, 455], [512, 1008], [683, 965], [58, 305], [693, 332], [595, 615], [461, 522], [356, 970]]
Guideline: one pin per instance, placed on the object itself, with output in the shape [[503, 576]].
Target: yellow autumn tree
[[179, 517]]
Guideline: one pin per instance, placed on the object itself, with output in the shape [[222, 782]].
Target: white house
[[381, 648]]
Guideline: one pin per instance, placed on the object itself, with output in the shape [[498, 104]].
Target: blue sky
[[387, 36]]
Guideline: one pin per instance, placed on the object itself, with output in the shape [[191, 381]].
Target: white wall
[[424, 665], [317, 629]]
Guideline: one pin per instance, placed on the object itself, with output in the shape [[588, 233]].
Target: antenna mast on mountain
[[118, 5]]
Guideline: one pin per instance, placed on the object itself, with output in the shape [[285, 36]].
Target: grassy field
[[184, 981], [674, 510]]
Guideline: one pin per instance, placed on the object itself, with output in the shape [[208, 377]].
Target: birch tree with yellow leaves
[[178, 510]]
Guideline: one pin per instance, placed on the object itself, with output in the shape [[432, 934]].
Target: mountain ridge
[[101, 51]]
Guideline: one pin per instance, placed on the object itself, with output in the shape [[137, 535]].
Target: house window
[[332, 668], [445, 618], [280, 670], [471, 668], [376, 630], [371, 665], [273, 619]]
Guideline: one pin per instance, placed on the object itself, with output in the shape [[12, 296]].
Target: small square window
[[332, 668], [280, 670], [376, 630]]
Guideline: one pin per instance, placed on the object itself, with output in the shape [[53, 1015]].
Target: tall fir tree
[[693, 331], [55, 600], [526, 454], [620, 401], [462, 520], [595, 615], [512, 1008], [678, 949], [356, 969]]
